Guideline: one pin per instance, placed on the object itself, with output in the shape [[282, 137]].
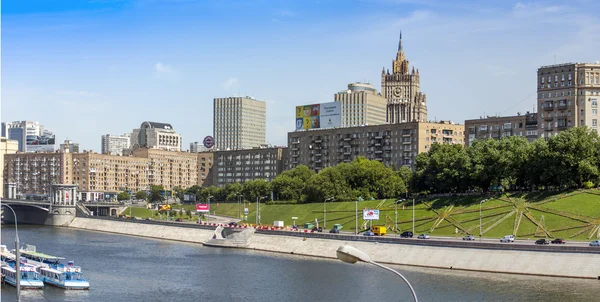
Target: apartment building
[[34, 173], [392, 144], [31, 136], [568, 97], [361, 105], [250, 164], [497, 127], [69, 147], [239, 123], [170, 169], [115, 144], [205, 173], [156, 136], [7, 146]]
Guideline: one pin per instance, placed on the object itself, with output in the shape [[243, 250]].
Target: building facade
[[7, 146], [31, 136], [568, 96], [250, 164], [402, 89], [156, 136], [361, 105], [239, 123], [205, 171], [196, 147], [34, 173], [115, 144], [170, 169], [497, 127], [392, 144]]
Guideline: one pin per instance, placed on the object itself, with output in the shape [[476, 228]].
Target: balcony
[[562, 105], [548, 129], [548, 117], [548, 106]]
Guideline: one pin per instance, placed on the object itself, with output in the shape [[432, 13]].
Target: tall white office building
[[115, 144], [239, 123]]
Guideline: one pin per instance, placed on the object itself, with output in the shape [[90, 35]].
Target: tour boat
[[30, 252], [29, 277], [64, 276]]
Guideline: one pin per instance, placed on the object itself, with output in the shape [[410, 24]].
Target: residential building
[[394, 145], [31, 136], [239, 123], [402, 89], [7, 146], [205, 171], [156, 136], [69, 147], [568, 96], [170, 169], [361, 105], [249, 164], [34, 173], [497, 127], [115, 144]]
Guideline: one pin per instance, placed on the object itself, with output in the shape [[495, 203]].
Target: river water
[[126, 268]]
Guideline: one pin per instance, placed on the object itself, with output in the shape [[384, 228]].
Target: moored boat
[[30, 279], [64, 276]]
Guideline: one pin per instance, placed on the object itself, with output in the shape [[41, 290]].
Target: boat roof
[[41, 255], [51, 270]]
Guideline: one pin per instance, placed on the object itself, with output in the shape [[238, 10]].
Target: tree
[[406, 174], [291, 184], [122, 196], [179, 193], [141, 195], [155, 194], [444, 168], [231, 191], [256, 188], [196, 190]]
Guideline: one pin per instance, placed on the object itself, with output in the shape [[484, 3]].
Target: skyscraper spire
[[400, 42]]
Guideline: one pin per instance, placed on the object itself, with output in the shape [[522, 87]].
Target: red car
[[558, 241]]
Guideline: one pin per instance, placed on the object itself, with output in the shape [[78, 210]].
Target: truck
[[379, 230]]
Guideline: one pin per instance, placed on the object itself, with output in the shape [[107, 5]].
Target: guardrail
[[390, 240]]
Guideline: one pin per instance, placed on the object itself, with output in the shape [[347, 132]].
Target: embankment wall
[[559, 264]]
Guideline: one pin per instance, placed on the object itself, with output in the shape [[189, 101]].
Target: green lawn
[[448, 215]]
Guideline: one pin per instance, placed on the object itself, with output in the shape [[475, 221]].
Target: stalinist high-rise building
[[405, 101]]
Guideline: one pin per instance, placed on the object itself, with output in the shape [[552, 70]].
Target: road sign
[[246, 211], [371, 214], [202, 207], [294, 218]]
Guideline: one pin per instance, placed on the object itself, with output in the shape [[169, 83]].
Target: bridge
[[60, 210]]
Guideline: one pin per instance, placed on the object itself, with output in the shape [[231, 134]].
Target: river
[[125, 268]]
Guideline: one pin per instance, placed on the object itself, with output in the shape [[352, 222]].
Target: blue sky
[[87, 68]]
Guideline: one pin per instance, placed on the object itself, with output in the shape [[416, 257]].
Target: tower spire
[[400, 42]]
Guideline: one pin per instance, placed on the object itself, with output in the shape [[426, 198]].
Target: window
[[594, 103], [569, 113], [594, 112], [594, 123], [542, 80]]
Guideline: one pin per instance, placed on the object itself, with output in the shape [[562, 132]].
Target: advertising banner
[[202, 207], [371, 214], [318, 116], [189, 197]]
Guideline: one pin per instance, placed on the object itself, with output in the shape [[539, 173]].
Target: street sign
[[294, 218], [202, 207], [246, 211]]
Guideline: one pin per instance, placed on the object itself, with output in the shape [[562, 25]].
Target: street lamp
[[480, 233], [17, 255], [350, 254], [325, 211], [208, 215], [396, 222], [258, 198]]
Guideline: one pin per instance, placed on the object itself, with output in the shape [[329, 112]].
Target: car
[[368, 233], [178, 220], [508, 238], [406, 235], [424, 236], [469, 238], [334, 231], [317, 229], [232, 224], [558, 241], [595, 243], [542, 241]]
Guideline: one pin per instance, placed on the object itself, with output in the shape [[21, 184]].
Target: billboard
[[41, 143], [316, 116], [202, 207], [371, 214], [189, 197]]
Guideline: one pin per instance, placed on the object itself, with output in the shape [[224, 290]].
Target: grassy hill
[[570, 215]]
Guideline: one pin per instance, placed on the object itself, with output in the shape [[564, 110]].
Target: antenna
[[554, 58]]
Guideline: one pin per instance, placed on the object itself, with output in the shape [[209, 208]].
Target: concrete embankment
[[559, 264]]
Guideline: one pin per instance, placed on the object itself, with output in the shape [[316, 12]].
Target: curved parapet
[[230, 237]]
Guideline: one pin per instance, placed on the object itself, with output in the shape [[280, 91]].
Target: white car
[[424, 236], [595, 243], [508, 238]]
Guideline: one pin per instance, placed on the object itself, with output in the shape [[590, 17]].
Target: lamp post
[[480, 233], [239, 203], [413, 212], [396, 221], [350, 254], [208, 215], [17, 255], [325, 211], [356, 218], [258, 198]]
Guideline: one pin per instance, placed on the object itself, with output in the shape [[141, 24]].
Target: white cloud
[[162, 68], [79, 93], [521, 10], [230, 84], [166, 72]]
